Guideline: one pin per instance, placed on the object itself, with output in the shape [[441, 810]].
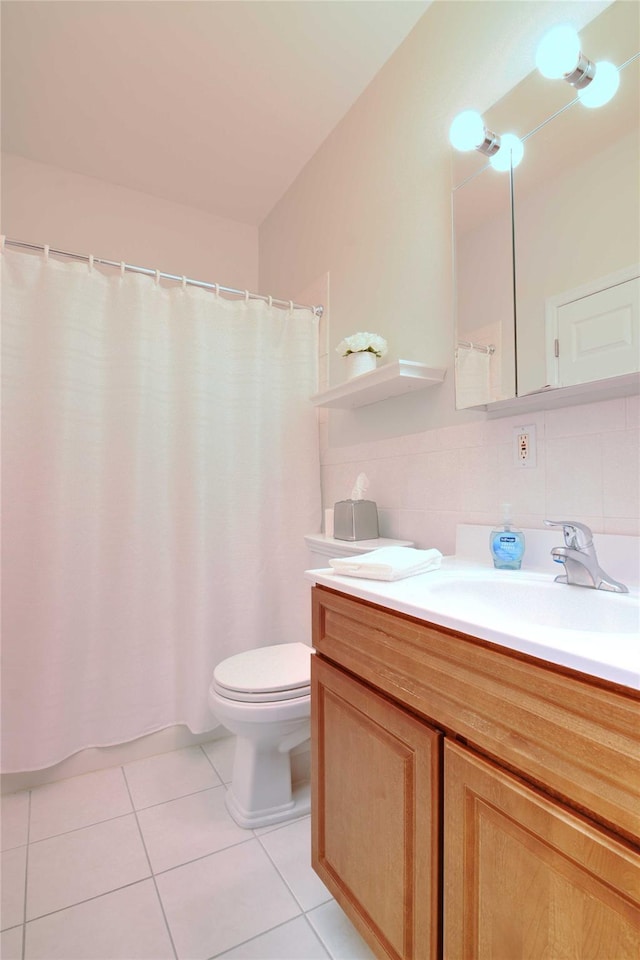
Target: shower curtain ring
[[122, 268], [246, 296], [217, 286], [45, 250], [270, 301], [2, 240], [184, 283], [157, 278], [90, 262]]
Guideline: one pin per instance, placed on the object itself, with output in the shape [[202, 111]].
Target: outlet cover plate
[[524, 446]]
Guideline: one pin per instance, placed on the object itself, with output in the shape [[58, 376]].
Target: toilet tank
[[321, 549]]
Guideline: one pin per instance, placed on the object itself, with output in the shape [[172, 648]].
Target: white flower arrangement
[[361, 343]]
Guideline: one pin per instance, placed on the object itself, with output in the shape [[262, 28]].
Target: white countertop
[[527, 627]]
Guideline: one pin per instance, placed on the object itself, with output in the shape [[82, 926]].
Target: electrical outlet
[[525, 445]]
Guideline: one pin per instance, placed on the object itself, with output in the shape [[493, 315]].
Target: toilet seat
[[265, 674]]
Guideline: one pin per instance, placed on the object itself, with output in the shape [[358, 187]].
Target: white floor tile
[[194, 826], [221, 754], [227, 892], [223, 900], [169, 776], [85, 863], [294, 940], [13, 873], [125, 925], [338, 934], [14, 808], [78, 802], [290, 849], [11, 944]]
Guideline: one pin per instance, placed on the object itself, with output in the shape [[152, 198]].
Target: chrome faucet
[[580, 560]]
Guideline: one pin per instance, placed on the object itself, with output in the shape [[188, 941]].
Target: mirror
[[485, 370], [546, 257]]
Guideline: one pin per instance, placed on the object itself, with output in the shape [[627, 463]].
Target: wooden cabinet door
[[526, 878], [375, 809]]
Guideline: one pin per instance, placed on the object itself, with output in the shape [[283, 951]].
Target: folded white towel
[[388, 563]]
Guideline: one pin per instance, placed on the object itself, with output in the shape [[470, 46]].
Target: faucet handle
[[577, 536]]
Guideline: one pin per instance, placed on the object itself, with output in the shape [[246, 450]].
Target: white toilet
[[264, 697]]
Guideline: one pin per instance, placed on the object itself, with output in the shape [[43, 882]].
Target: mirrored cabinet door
[[577, 244], [547, 256], [483, 258]]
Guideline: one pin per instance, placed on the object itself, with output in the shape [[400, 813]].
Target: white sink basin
[[592, 631], [540, 601]]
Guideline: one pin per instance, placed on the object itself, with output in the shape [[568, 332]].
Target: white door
[[598, 335]]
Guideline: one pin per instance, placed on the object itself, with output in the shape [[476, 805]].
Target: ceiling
[[217, 104]]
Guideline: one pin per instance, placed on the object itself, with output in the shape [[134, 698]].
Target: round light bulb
[[510, 153], [603, 86], [467, 130], [558, 52]]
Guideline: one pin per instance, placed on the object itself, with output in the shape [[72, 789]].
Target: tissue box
[[355, 520]]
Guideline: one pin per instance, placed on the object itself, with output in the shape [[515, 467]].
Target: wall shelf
[[626, 385], [389, 380]]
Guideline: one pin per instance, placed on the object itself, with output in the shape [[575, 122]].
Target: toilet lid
[[282, 667]]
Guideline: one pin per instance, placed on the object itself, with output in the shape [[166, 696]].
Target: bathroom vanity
[[469, 800]]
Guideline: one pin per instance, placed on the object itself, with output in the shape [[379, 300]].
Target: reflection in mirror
[[576, 234], [484, 368]]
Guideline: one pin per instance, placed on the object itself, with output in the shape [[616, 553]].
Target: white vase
[[360, 362]]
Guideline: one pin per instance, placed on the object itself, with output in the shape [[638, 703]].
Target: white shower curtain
[[160, 469]]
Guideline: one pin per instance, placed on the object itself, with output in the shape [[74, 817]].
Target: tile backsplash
[[588, 469]]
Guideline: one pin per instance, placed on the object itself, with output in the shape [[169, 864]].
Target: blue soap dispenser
[[507, 543]]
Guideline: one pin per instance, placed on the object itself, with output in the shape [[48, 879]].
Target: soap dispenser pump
[[507, 543]]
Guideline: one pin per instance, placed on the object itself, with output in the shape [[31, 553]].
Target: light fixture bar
[[490, 145], [583, 73]]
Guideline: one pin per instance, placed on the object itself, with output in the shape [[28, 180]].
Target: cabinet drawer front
[[524, 877], [375, 810], [576, 737]]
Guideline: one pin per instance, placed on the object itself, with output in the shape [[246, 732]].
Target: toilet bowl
[[264, 697]]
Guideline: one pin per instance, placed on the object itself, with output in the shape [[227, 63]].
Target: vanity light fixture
[[468, 132], [559, 56]]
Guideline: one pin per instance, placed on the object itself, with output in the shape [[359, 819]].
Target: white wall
[[373, 209], [44, 204], [426, 483], [373, 206]]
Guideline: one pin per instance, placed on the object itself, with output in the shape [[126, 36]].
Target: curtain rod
[[480, 347], [317, 310]]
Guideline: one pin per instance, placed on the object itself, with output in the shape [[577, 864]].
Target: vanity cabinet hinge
[[556, 348]]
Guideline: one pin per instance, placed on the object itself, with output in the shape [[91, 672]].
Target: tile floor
[[143, 862]]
